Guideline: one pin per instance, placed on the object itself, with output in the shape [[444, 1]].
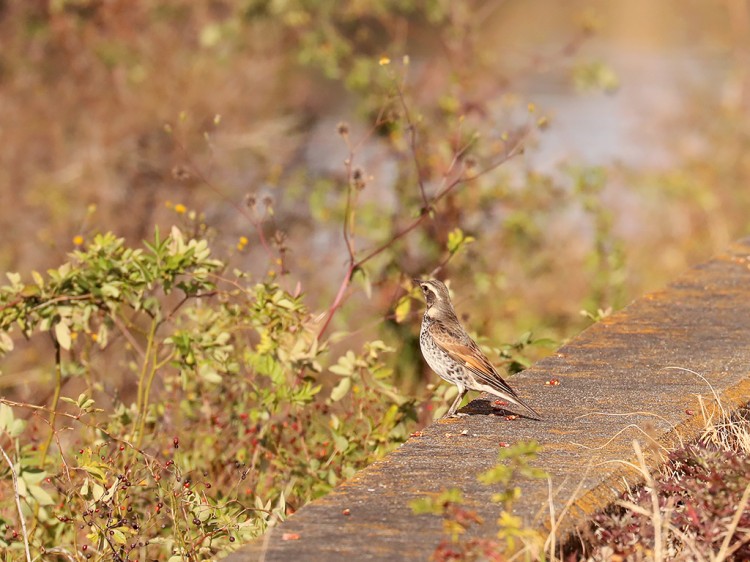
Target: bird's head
[[435, 295]]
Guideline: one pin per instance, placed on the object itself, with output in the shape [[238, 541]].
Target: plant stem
[[53, 407], [18, 504], [142, 393]]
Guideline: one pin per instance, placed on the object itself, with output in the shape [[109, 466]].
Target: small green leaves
[[514, 462], [457, 240], [9, 423], [436, 504], [498, 474], [83, 402], [103, 277], [245, 363]]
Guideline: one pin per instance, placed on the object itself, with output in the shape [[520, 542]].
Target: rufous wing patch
[[468, 356]]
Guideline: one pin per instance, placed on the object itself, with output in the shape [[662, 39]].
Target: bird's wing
[[466, 351], [463, 349]]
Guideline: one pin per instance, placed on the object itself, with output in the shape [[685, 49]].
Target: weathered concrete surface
[[624, 378]]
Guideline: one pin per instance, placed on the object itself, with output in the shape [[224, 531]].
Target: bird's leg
[[461, 393]]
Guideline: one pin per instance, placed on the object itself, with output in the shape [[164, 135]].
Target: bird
[[453, 355]]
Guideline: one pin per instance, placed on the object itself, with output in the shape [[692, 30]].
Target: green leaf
[[341, 389], [40, 494], [286, 303], [456, 239], [38, 279], [15, 280], [209, 374], [425, 505], [95, 471], [62, 335], [6, 342], [341, 443], [102, 336], [341, 368], [33, 476], [436, 505], [403, 307], [97, 491], [8, 423], [498, 474], [110, 290]]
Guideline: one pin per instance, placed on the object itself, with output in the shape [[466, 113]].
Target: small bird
[[452, 354]]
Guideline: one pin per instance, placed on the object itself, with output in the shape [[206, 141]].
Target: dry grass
[[695, 507]]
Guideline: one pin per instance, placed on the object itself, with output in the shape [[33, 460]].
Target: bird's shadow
[[481, 407]]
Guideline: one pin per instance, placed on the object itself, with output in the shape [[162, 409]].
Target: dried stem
[[18, 503], [448, 185], [257, 224], [55, 400]]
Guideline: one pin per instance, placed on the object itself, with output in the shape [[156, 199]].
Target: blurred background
[[120, 115]]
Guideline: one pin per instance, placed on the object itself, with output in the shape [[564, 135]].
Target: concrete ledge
[[627, 377]]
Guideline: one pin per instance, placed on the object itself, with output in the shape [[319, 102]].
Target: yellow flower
[[180, 208], [384, 61], [78, 240], [243, 240]]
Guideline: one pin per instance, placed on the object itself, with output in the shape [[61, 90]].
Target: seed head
[[358, 179]]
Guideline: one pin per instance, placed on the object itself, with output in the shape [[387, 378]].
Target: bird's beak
[[417, 282]]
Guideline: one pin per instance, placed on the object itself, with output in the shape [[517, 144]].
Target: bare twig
[[448, 185], [250, 216], [125, 331], [18, 503], [55, 400], [412, 128]]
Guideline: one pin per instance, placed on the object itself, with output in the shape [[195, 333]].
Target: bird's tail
[[518, 402]]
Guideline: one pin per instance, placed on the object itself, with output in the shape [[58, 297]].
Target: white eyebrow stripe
[[431, 288]]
